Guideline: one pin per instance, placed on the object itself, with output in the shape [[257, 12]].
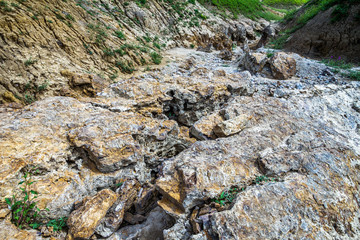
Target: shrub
[[355, 75]]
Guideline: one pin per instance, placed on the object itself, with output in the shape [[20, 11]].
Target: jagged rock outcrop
[[295, 140], [277, 65], [273, 159]]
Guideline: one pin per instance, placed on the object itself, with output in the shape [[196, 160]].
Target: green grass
[[285, 2], [337, 63], [355, 75], [252, 9]]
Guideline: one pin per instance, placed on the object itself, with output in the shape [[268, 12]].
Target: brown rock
[[83, 221], [283, 66], [9, 231], [203, 129], [232, 126], [226, 55], [114, 217], [254, 62], [146, 200], [172, 189]]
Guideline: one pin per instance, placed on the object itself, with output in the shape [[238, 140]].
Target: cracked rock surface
[[155, 153]]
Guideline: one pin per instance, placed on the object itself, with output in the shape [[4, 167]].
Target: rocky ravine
[[146, 156], [76, 47]]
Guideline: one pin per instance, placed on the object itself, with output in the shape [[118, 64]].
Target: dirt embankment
[[322, 38]]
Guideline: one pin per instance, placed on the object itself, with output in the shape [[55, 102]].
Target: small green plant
[[120, 52], [147, 38], [157, 45], [43, 86], [70, 17], [29, 62], [57, 224], [108, 52], [23, 208], [100, 33], [269, 54], [263, 179], [228, 196], [29, 98], [192, 45], [155, 57], [119, 34]]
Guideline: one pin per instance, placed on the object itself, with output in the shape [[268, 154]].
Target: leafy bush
[[355, 75]]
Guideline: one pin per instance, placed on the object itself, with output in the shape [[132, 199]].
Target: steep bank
[[322, 29]]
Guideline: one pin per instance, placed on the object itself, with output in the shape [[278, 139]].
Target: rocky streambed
[[196, 149]]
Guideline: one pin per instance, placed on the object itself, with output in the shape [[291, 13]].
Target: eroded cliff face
[[75, 48], [322, 38]]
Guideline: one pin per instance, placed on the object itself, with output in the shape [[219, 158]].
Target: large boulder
[[283, 66], [277, 65]]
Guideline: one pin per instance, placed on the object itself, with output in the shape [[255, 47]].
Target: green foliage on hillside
[[252, 9], [285, 2], [311, 9]]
